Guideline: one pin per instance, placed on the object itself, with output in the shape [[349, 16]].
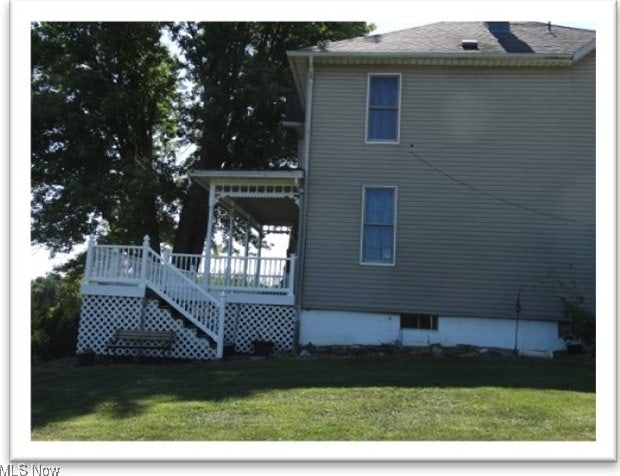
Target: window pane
[[378, 244], [379, 206], [378, 227], [382, 124], [384, 91]]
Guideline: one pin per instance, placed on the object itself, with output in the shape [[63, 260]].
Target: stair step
[[175, 293]]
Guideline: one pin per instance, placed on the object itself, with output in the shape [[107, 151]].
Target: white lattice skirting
[[101, 316], [246, 323]]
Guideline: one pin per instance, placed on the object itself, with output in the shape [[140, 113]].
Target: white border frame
[[400, 101], [21, 448], [372, 263]]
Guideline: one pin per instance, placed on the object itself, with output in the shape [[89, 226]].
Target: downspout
[[301, 251], [308, 119]]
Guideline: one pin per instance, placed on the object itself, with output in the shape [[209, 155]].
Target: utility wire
[[493, 196]]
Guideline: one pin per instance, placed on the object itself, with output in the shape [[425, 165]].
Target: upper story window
[[383, 115], [378, 225]]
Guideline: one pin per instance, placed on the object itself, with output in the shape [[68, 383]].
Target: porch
[[240, 279], [255, 204], [229, 295]]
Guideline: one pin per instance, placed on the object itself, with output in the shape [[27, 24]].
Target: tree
[[107, 120], [241, 90], [103, 124]]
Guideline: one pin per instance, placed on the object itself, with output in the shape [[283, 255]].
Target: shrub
[[581, 322], [55, 314]]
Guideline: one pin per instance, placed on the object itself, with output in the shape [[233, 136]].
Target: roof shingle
[[447, 38]]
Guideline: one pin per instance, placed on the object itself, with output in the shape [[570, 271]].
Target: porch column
[[231, 229], [258, 256], [247, 258], [209, 239]]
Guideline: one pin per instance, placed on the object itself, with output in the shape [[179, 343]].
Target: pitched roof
[[447, 38], [516, 44]]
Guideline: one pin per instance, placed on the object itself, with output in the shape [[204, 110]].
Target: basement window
[[419, 321]]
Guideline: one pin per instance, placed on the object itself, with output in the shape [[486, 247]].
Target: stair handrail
[[181, 283], [144, 266]]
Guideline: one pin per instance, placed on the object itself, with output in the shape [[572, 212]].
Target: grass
[[397, 397]]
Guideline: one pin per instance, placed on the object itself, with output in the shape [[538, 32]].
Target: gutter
[[471, 58], [308, 120], [429, 56]]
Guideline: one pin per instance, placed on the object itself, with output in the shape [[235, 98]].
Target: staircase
[[141, 266]]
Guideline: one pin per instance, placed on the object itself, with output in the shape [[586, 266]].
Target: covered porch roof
[[267, 197]]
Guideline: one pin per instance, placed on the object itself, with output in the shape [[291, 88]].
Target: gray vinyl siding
[[523, 135]]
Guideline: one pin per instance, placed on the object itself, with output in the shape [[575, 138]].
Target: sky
[[42, 263]]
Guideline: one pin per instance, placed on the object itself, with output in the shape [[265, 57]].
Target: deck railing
[[239, 274], [140, 265], [252, 274], [180, 279], [118, 264]]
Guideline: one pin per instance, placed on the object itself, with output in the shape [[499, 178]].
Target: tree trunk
[[193, 221]]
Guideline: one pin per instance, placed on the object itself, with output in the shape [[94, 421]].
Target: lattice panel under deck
[[187, 344], [230, 323], [265, 322], [103, 315]]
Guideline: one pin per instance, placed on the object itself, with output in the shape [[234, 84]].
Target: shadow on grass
[[61, 393]]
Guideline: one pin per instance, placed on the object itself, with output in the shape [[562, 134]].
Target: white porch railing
[[240, 274], [140, 265], [252, 274]]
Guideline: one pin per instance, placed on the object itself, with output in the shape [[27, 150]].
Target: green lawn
[[397, 397]]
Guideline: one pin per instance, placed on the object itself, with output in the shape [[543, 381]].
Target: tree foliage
[[103, 122], [241, 90], [55, 313], [107, 121]]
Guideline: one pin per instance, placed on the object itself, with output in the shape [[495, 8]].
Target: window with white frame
[[378, 240], [383, 117]]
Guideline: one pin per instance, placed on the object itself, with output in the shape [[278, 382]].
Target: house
[[445, 195]]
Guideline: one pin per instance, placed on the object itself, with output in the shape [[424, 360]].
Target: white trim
[[112, 290], [361, 254], [584, 50], [248, 298], [242, 174], [500, 59], [400, 87]]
